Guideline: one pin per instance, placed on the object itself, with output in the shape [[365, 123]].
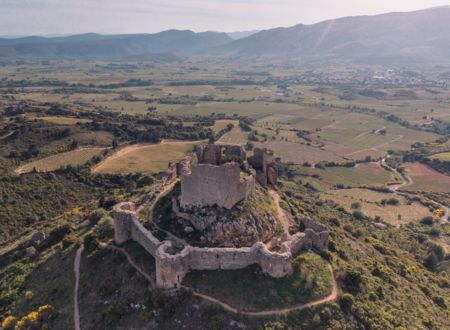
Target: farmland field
[[444, 156], [371, 205], [59, 120], [51, 163], [426, 179], [235, 136], [299, 153], [362, 174], [220, 124], [145, 158]]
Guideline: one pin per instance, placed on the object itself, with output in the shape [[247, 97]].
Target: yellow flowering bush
[[32, 321], [9, 323], [28, 295]]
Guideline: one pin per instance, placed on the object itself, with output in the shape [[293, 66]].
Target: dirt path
[[7, 135], [274, 312], [284, 218], [131, 262], [76, 268]]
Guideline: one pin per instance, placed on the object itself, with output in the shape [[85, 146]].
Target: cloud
[[20, 17]]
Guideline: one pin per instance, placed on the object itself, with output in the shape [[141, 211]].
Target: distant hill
[[112, 46], [420, 37], [241, 34], [413, 37]]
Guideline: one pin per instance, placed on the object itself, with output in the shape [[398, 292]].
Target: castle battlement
[[171, 267]]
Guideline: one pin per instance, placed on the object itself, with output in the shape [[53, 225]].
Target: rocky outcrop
[[249, 222]]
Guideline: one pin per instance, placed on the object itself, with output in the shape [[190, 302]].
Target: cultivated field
[[235, 136], [371, 205], [223, 123], [76, 157], [299, 153], [145, 158], [370, 174], [59, 120], [426, 179], [444, 156]]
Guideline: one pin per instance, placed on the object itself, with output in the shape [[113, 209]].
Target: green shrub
[[356, 206], [358, 215], [91, 242], [346, 302], [105, 228], [95, 216]]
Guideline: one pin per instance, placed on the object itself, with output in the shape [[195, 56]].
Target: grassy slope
[[147, 158], [250, 289], [51, 163]]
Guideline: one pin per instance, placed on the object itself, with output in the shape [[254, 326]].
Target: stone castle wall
[[172, 266], [210, 184]]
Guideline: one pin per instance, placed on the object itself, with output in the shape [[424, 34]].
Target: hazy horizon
[[53, 17]]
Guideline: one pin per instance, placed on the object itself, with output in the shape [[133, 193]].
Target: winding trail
[[273, 312], [4, 137], [132, 263], [76, 268], [284, 218]]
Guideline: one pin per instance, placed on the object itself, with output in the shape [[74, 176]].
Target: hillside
[[111, 46], [420, 36]]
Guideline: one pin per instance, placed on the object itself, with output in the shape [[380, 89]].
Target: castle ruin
[[216, 175], [172, 265]]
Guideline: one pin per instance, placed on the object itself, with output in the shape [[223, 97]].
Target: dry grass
[[371, 205], [235, 136], [51, 163], [299, 153], [59, 120], [362, 174], [145, 158], [223, 123]]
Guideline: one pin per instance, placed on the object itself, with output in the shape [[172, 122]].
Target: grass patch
[[59, 120], [152, 158], [51, 163], [250, 289]]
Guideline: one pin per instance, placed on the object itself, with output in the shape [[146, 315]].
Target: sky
[[62, 17]]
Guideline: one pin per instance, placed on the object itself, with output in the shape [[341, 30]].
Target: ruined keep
[[222, 175]]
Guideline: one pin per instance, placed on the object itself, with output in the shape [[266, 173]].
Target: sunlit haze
[[48, 17]]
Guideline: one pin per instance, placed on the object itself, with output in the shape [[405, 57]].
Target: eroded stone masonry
[[221, 175], [217, 175]]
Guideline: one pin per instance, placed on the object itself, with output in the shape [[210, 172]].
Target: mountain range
[[394, 38]]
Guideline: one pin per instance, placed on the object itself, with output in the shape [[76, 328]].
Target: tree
[[346, 302], [431, 262]]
